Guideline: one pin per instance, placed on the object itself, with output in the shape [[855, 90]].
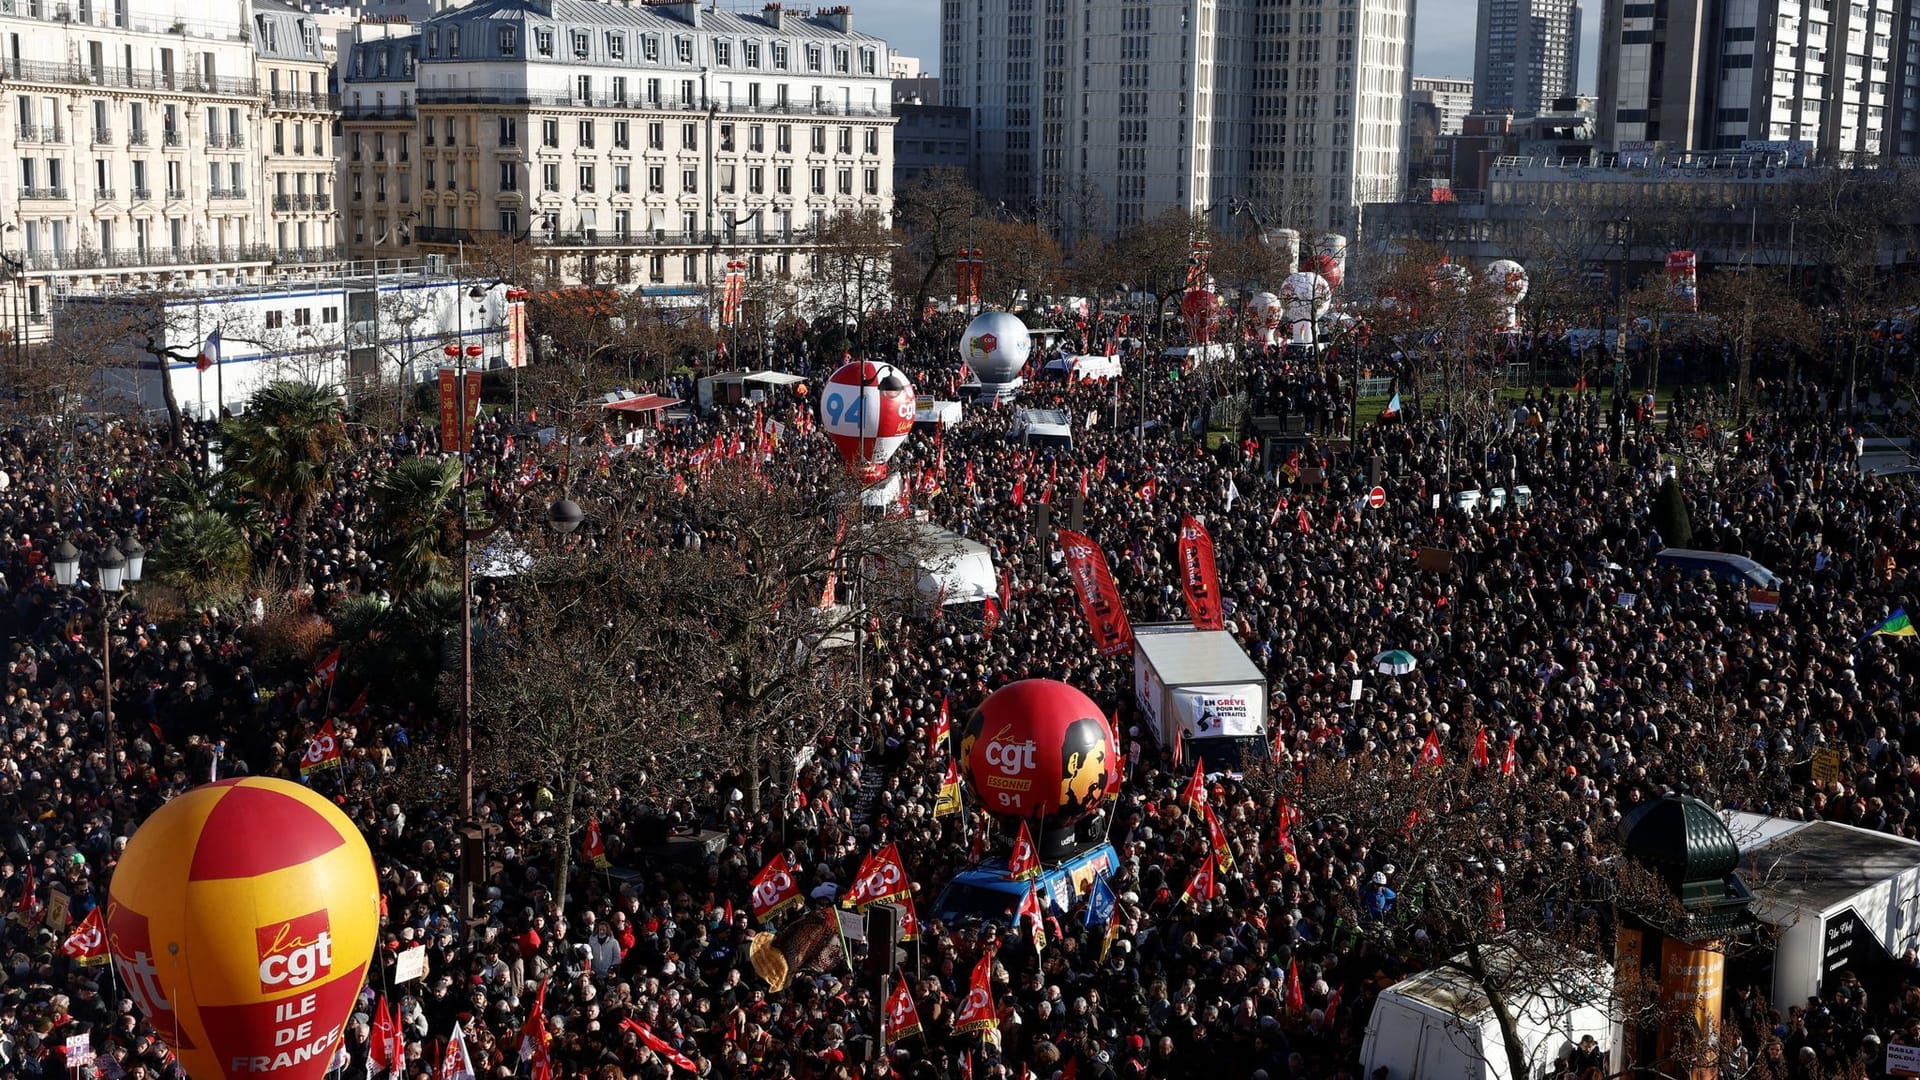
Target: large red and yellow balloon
[[241, 919]]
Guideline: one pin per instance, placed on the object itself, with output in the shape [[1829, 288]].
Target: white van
[[1090, 368], [1197, 355], [1043, 427]]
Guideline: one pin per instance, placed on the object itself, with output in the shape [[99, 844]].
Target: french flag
[[210, 352]]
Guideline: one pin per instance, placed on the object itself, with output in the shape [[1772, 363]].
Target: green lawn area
[[1370, 406]]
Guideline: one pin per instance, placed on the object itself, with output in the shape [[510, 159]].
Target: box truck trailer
[[1198, 690]]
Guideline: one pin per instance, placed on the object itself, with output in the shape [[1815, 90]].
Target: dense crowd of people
[[1553, 625]]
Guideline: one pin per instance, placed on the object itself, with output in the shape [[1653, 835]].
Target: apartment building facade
[[379, 131], [130, 124], [648, 145], [293, 63], [1526, 55], [1102, 113], [1833, 81]]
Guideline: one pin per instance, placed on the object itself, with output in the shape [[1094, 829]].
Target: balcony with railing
[[84, 74], [137, 137], [323, 202], [43, 193], [141, 194], [124, 258], [175, 194], [26, 133], [465, 95], [376, 112], [104, 194], [227, 193], [299, 101], [618, 238], [171, 138], [103, 136], [216, 140]]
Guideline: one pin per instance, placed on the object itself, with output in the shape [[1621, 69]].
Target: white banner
[[410, 964], [1222, 710]]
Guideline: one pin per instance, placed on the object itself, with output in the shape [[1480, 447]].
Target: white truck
[[1439, 1025], [1198, 689]]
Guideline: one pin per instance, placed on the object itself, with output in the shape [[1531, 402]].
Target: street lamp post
[[119, 566], [461, 358]]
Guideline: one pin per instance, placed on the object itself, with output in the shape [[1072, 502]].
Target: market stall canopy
[[642, 403]]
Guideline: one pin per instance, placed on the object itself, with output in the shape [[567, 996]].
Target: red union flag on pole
[[942, 729], [1510, 759], [456, 1065], [1205, 884], [87, 945], [902, 1016], [593, 848], [1199, 577], [1099, 597], [1217, 839], [977, 1012], [1430, 755], [882, 877], [1029, 910], [774, 889], [948, 802], [323, 751], [1024, 863], [659, 1045]]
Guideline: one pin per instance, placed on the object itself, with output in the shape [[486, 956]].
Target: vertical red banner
[[1099, 598], [449, 409], [1199, 577]]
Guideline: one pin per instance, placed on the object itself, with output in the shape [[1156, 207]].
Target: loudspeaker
[[883, 937]]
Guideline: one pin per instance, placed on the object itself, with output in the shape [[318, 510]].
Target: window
[[690, 181], [586, 178], [819, 140], [580, 44], [621, 140], [817, 181], [872, 181], [509, 176], [622, 179], [619, 94], [872, 143], [846, 140], [656, 180], [756, 142], [453, 45], [583, 88], [867, 61], [510, 222], [509, 41], [726, 137], [543, 42], [723, 53], [841, 61], [586, 134], [550, 132], [656, 135], [756, 180], [750, 52], [276, 319], [783, 180], [783, 138], [725, 180], [616, 46], [813, 58], [650, 48], [845, 181], [779, 56], [509, 131], [683, 48], [550, 177], [689, 136], [433, 43]]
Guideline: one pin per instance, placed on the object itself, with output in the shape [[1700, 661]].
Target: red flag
[[989, 615], [948, 801], [1333, 1004], [1430, 755], [1116, 769], [1296, 998], [1194, 796], [1478, 755], [902, 1018], [909, 919], [1029, 911], [1217, 839], [1305, 522], [942, 729], [1053, 473], [1199, 577], [882, 877], [977, 1012], [593, 849], [969, 473], [535, 1043], [1024, 863], [1497, 911], [456, 1064], [1019, 496], [1083, 483], [28, 904], [773, 889], [323, 751], [385, 1050], [1149, 489], [1205, 884], [659, 1045], [327, 668], [87, 945], [1509, 760], [1099, 596]]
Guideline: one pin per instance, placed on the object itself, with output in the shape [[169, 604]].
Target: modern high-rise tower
[[1527, 53], [1101, 113]]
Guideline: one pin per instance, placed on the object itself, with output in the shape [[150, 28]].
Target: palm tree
[[416, 515], [201, 553], [282, 449]]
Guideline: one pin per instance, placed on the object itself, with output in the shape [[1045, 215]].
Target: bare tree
[[853, 274], [937, 212]]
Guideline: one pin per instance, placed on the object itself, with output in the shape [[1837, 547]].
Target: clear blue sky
[[1443, 44]]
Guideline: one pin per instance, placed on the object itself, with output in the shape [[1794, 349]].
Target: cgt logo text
[[295, 953], [1011, 758]]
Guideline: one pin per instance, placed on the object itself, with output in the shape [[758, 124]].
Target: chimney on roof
[[773, 16], [687, 11], [839, 19]]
